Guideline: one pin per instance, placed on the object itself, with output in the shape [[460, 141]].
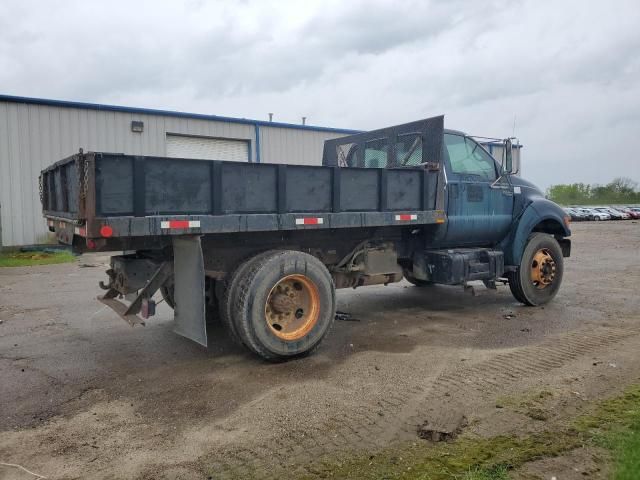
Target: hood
[[521, 182]]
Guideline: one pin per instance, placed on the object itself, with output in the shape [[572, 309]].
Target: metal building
[[35, 133]]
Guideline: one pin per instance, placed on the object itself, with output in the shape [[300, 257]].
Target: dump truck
[[262, 248]]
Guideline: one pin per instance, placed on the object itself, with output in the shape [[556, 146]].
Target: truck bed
[[140, 196]]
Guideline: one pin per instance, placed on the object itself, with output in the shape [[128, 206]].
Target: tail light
[[106, 231]]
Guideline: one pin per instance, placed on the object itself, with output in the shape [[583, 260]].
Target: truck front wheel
[[285, 305], [538, 278]]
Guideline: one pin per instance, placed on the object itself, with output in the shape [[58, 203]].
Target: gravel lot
[[83, 395]]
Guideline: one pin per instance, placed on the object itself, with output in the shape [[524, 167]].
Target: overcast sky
[[567, 71]]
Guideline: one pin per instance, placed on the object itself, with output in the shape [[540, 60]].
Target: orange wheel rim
[[293, 307], [543, 269]]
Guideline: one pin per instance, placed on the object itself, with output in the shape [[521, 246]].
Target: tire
[[415, 281], [285, 305], [229, 290], [211, 307], [539, 275], [597, 219]]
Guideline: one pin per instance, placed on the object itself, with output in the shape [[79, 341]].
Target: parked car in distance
[[614, 214], [594, 214], [635, 210], [585, 216], [625, 215], [576, 215], [631, 211], [589, 214]]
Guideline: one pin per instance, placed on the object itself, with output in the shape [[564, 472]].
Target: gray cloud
[[567, 71]]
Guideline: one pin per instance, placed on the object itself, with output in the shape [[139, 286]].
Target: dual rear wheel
[[279, 304]]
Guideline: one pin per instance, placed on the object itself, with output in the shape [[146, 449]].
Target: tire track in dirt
[[397, 418], [445, 403]]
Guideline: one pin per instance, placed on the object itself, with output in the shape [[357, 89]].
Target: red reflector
[[91, 244], [310, 221], [179, 224], [106, 231]]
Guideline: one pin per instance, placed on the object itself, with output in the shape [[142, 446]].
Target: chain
[[85, 180], [78, 172], [82, 173], [41, 189]]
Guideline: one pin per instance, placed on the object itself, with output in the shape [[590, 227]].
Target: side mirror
[[508, 156]]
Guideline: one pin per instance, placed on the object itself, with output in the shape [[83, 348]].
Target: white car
[[615, 214], [597, 215]]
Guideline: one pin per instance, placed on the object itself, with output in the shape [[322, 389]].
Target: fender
[[540, 215]]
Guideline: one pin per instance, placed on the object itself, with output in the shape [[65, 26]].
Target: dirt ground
[[83, 395]]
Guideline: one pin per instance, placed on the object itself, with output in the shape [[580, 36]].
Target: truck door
[[477, 213]]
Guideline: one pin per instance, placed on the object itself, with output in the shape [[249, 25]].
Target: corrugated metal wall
[[279, 145], [32, 136]]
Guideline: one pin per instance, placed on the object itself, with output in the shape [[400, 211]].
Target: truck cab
[[492, 215]]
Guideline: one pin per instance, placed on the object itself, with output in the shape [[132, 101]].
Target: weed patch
[[613, 424], [26, 259]]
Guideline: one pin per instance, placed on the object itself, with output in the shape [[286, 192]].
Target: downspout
[[257, 133]]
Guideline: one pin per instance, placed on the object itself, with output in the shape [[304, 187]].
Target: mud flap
[[189, 295]]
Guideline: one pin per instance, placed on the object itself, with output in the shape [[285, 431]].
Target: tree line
[[619, 191]]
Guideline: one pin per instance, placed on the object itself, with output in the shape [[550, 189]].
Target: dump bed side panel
[[152, 186], [139, 196], [60, 188]]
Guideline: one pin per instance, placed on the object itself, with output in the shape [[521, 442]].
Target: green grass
[[26, 259], [530, 404], [626, 452], [499, 472], [613, 424], [616, 427]]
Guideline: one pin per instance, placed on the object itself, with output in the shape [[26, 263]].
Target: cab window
[[376, 153], [409, 150], [466, 157]]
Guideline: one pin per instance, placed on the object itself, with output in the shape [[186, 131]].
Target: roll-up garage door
[[205, 148]]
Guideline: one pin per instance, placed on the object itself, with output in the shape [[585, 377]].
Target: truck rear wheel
[[229, 293], [285, 305], [538, 278]]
